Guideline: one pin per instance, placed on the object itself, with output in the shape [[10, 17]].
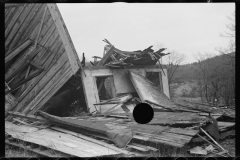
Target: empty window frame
[[155, 77], [105, 87]]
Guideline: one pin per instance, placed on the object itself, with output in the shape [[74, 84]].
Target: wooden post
[[214, 140]]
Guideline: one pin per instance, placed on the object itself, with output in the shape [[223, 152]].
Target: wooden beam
[[92, 140], [12, 22], [9, 5], [36, 88], [40, 28], [27, 73], [64, 37], [107, 55], [33, 22], [19, 84], [43, 90], [31, 117], [24, 29], [15, 30], [22, 64], [125, 52], [50, 64], [11, 54], [128, 67], [58, 141], [55, 88]]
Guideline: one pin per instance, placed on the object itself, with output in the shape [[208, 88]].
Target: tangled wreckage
[[56, 105]]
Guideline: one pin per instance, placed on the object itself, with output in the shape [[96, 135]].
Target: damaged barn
[[55, 102]]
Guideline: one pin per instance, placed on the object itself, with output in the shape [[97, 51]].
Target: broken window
[[105, 86], [155, 77]]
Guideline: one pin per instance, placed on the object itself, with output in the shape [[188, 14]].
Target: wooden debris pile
[[115, 58], [42, 69]]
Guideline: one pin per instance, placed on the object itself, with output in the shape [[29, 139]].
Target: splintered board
[[149, 92], [62, 142]]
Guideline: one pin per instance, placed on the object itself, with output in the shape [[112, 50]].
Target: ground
[[163, 151]]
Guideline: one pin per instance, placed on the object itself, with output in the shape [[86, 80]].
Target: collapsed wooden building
[[89, 106]]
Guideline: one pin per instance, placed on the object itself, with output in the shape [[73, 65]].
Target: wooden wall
[[122, 82], [36, 39]]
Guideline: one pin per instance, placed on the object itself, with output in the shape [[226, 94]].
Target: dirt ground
[[229, 144]]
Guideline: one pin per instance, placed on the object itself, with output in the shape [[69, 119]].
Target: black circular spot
[[143, 113]]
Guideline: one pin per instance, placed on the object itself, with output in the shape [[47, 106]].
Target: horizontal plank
[[59, 141], [18, 49], [30, 117], [92, 140]]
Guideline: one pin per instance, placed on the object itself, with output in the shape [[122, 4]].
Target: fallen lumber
[[92, 140], [58, 141], [30, 117]]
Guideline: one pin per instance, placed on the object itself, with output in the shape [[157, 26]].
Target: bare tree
[[214, 79], [229, 54], [173, 62]]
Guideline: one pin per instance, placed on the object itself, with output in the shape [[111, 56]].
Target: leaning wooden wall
[[37, 43]]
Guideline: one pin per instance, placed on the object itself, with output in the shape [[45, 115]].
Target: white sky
[[186, 28]]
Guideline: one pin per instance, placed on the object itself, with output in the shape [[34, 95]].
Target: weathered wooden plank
[[30, 117], [53, 90], [97, 73], [13, 20], [18, 25], [40, 27], [52, 32], [10, 16], [17, 67], [155, 140], [92, 140], [165, 83], [25, 27], [147, 91], [65, 39], [7, 11], [183, 131], [17, 49], [69, 39], [34, 22], [90, 90], [38, 58], [51, 62], [106, 56], [17, 63], [59, 141], [47, 24], [127, 67], [38, 85], [52, 77], [10, 5], [42, 62]]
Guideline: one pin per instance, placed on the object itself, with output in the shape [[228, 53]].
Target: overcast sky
[[186, 28]]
